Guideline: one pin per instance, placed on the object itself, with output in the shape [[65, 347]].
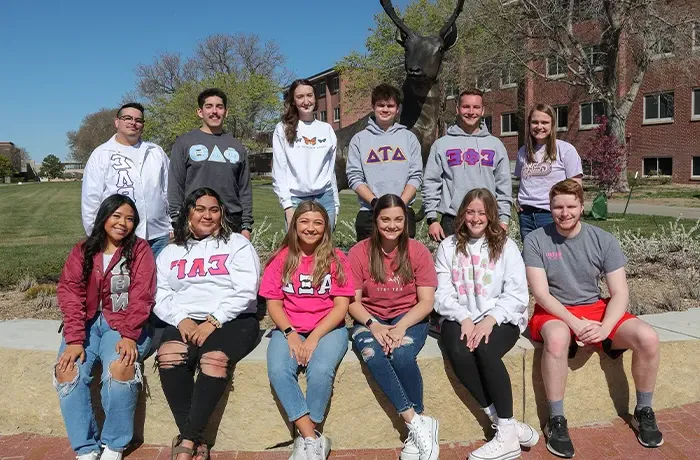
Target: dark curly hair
[[182, 231], [97, 241]]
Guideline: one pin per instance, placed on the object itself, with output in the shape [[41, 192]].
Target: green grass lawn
[[39, 223]]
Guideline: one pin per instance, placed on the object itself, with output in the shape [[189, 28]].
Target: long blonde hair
[[530, 143], [496, 236], [324, 254]]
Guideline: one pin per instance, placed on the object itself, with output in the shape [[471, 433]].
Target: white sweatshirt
[[496, 289], [210, 278], [308, 166], [140, 172]]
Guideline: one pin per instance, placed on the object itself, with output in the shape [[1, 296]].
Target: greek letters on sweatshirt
[[460, 162], [217, 161], [306, 167], [384, 161], [209, 277]]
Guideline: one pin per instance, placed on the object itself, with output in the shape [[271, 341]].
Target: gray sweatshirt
[[384, 161], [460, 162], [217, 161]]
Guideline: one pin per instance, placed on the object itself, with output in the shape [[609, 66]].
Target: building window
[[488, 121], [335, 84], [556, 67], [663, 47], [336, 114], [696, 104], [451, 90], [696, 36], [658, 108], [562, 114], [508, 77], [695, 168], [483, 83], [324, 115], [590, 113], [321, 89], [509, 124], [658, 166], [595, 58]]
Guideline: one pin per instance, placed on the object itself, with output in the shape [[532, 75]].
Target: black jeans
[[193, 403], [482, 371], [448, 224], [363, 224]]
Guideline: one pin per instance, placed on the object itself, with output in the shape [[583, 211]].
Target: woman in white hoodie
[[207, 292], [303, 155], [482, 297]]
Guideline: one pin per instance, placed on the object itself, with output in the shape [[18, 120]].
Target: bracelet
[[215, 322]]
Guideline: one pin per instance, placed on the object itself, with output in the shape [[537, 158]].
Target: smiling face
[[566, 211], [540, 127], [310, 227], [120, 224], [305, 101], [470, 110], [391, 223], [213, 112], [129, 123], [476, 219], [205, 217], [385, 112]]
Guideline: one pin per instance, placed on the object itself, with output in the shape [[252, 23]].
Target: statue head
[[423, 55]]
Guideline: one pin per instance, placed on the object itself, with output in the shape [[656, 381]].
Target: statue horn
[[389, 8], [450, 22]]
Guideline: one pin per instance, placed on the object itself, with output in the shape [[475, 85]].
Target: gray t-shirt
[[574, 265]]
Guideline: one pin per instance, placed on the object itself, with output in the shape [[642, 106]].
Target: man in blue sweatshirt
[[468, 157], [385, 157]]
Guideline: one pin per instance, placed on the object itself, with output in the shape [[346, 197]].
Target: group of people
[[168, 248]]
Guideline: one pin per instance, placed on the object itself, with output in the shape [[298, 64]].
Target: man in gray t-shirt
[[565, 261]]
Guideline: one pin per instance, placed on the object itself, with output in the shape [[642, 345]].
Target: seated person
[[564, 262]]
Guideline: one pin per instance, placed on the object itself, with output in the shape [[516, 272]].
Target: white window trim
[[695, 93], [554, 76], [657, 168], [581, 126], [656, 121], [662, 55], [592, 50], [507, 85], [506, 133], [337, 89], [692, 176], [483, 90], [556, 122], [696, 40], [336, 120]]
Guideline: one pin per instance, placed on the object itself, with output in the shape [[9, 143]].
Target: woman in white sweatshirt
[[303, 154], [482, 297], [207, 292]]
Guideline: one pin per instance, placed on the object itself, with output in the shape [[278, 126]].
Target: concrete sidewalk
[[651, 210]]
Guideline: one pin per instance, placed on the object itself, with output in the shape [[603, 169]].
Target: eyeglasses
[[129, 119]]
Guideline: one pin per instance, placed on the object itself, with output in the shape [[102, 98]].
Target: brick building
[[329, 86]]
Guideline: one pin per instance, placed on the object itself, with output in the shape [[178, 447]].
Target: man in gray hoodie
[[384, 158], [468, 157]]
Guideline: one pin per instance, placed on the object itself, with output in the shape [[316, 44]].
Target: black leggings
[[192, 404], [482, 371]]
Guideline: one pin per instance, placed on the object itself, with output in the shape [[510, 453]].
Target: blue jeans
[[530, 221], [118, 398], [158, 244], [283, 370], [325, 199], [397, 374]]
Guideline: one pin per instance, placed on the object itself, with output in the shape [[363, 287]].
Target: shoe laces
[[421, 441], [559, 427], [313, 448], [647, 419], [410, 439], [497, 441]]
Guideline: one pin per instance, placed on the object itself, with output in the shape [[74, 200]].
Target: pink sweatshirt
[[304, 304]]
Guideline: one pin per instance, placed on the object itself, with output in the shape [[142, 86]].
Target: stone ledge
[[253, 420]]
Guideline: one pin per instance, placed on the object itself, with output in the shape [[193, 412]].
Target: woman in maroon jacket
[[105, 293]]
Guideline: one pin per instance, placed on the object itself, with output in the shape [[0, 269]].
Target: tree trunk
[[617, 129]]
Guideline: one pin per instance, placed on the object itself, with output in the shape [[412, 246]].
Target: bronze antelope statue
[[421, 92]]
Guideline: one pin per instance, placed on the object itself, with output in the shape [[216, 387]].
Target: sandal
[[201, 452], [177, 449]]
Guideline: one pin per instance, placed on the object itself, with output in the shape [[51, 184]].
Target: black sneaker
[[558, 439], [648, 433]]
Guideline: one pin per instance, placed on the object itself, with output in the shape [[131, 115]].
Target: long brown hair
[[290, 117], [402, 264], [324, 254], [496, 236], [530, 143]]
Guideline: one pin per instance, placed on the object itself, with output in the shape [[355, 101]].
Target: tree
[[607, 157], [51, 167], [95, 129], [5, 168], [603, 47], [18, 157]]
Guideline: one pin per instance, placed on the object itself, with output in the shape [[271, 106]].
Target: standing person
[[468, 157], [106, 292], [308, 289], [482, 297], [210, 157], [565, 260], [385, 157], [543, 161], [303, 155], [129, 166], [207, 285], [395, 285]]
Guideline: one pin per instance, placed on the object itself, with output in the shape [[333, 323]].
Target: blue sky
[[60, 61]]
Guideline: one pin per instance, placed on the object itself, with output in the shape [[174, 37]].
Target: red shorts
[[594, 312]]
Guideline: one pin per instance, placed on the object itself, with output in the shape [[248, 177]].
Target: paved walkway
[[614, 441], [652, 210]]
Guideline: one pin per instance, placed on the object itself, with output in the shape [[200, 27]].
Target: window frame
[[694, 99], [560, 63], [556, 108], [695, 44], [321, 94], [323, 116], [593, 124], [658, 120], [591, 52], [512, 81], [336, 118], [694, 176], [659, 53], [510, 124], [490, 128], [644, 159], [335, 84]]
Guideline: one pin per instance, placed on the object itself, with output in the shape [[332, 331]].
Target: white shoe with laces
[[503, 446], [317, 448], [298, 452], [410, 449], [425, 430], [90, 456], [527, 435], [109, 454]]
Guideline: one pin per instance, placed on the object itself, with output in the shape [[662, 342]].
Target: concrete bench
[[250, 418]]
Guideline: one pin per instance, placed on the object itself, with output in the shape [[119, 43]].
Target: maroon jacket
[[127, 298]]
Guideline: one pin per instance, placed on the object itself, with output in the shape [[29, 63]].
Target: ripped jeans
[[397, 374], [118, 398]]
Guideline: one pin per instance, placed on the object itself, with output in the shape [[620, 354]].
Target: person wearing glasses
[[129, 166]]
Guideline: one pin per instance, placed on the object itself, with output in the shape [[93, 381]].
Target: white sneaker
[[90, 456], [298, 453], [503, 446], [109, 454], [527, 435], [426, 436], [410, 449], [317, 448]]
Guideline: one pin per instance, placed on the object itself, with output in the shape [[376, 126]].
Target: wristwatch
[[247, 227], [369, 322], [288, 331], [431, 220]]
